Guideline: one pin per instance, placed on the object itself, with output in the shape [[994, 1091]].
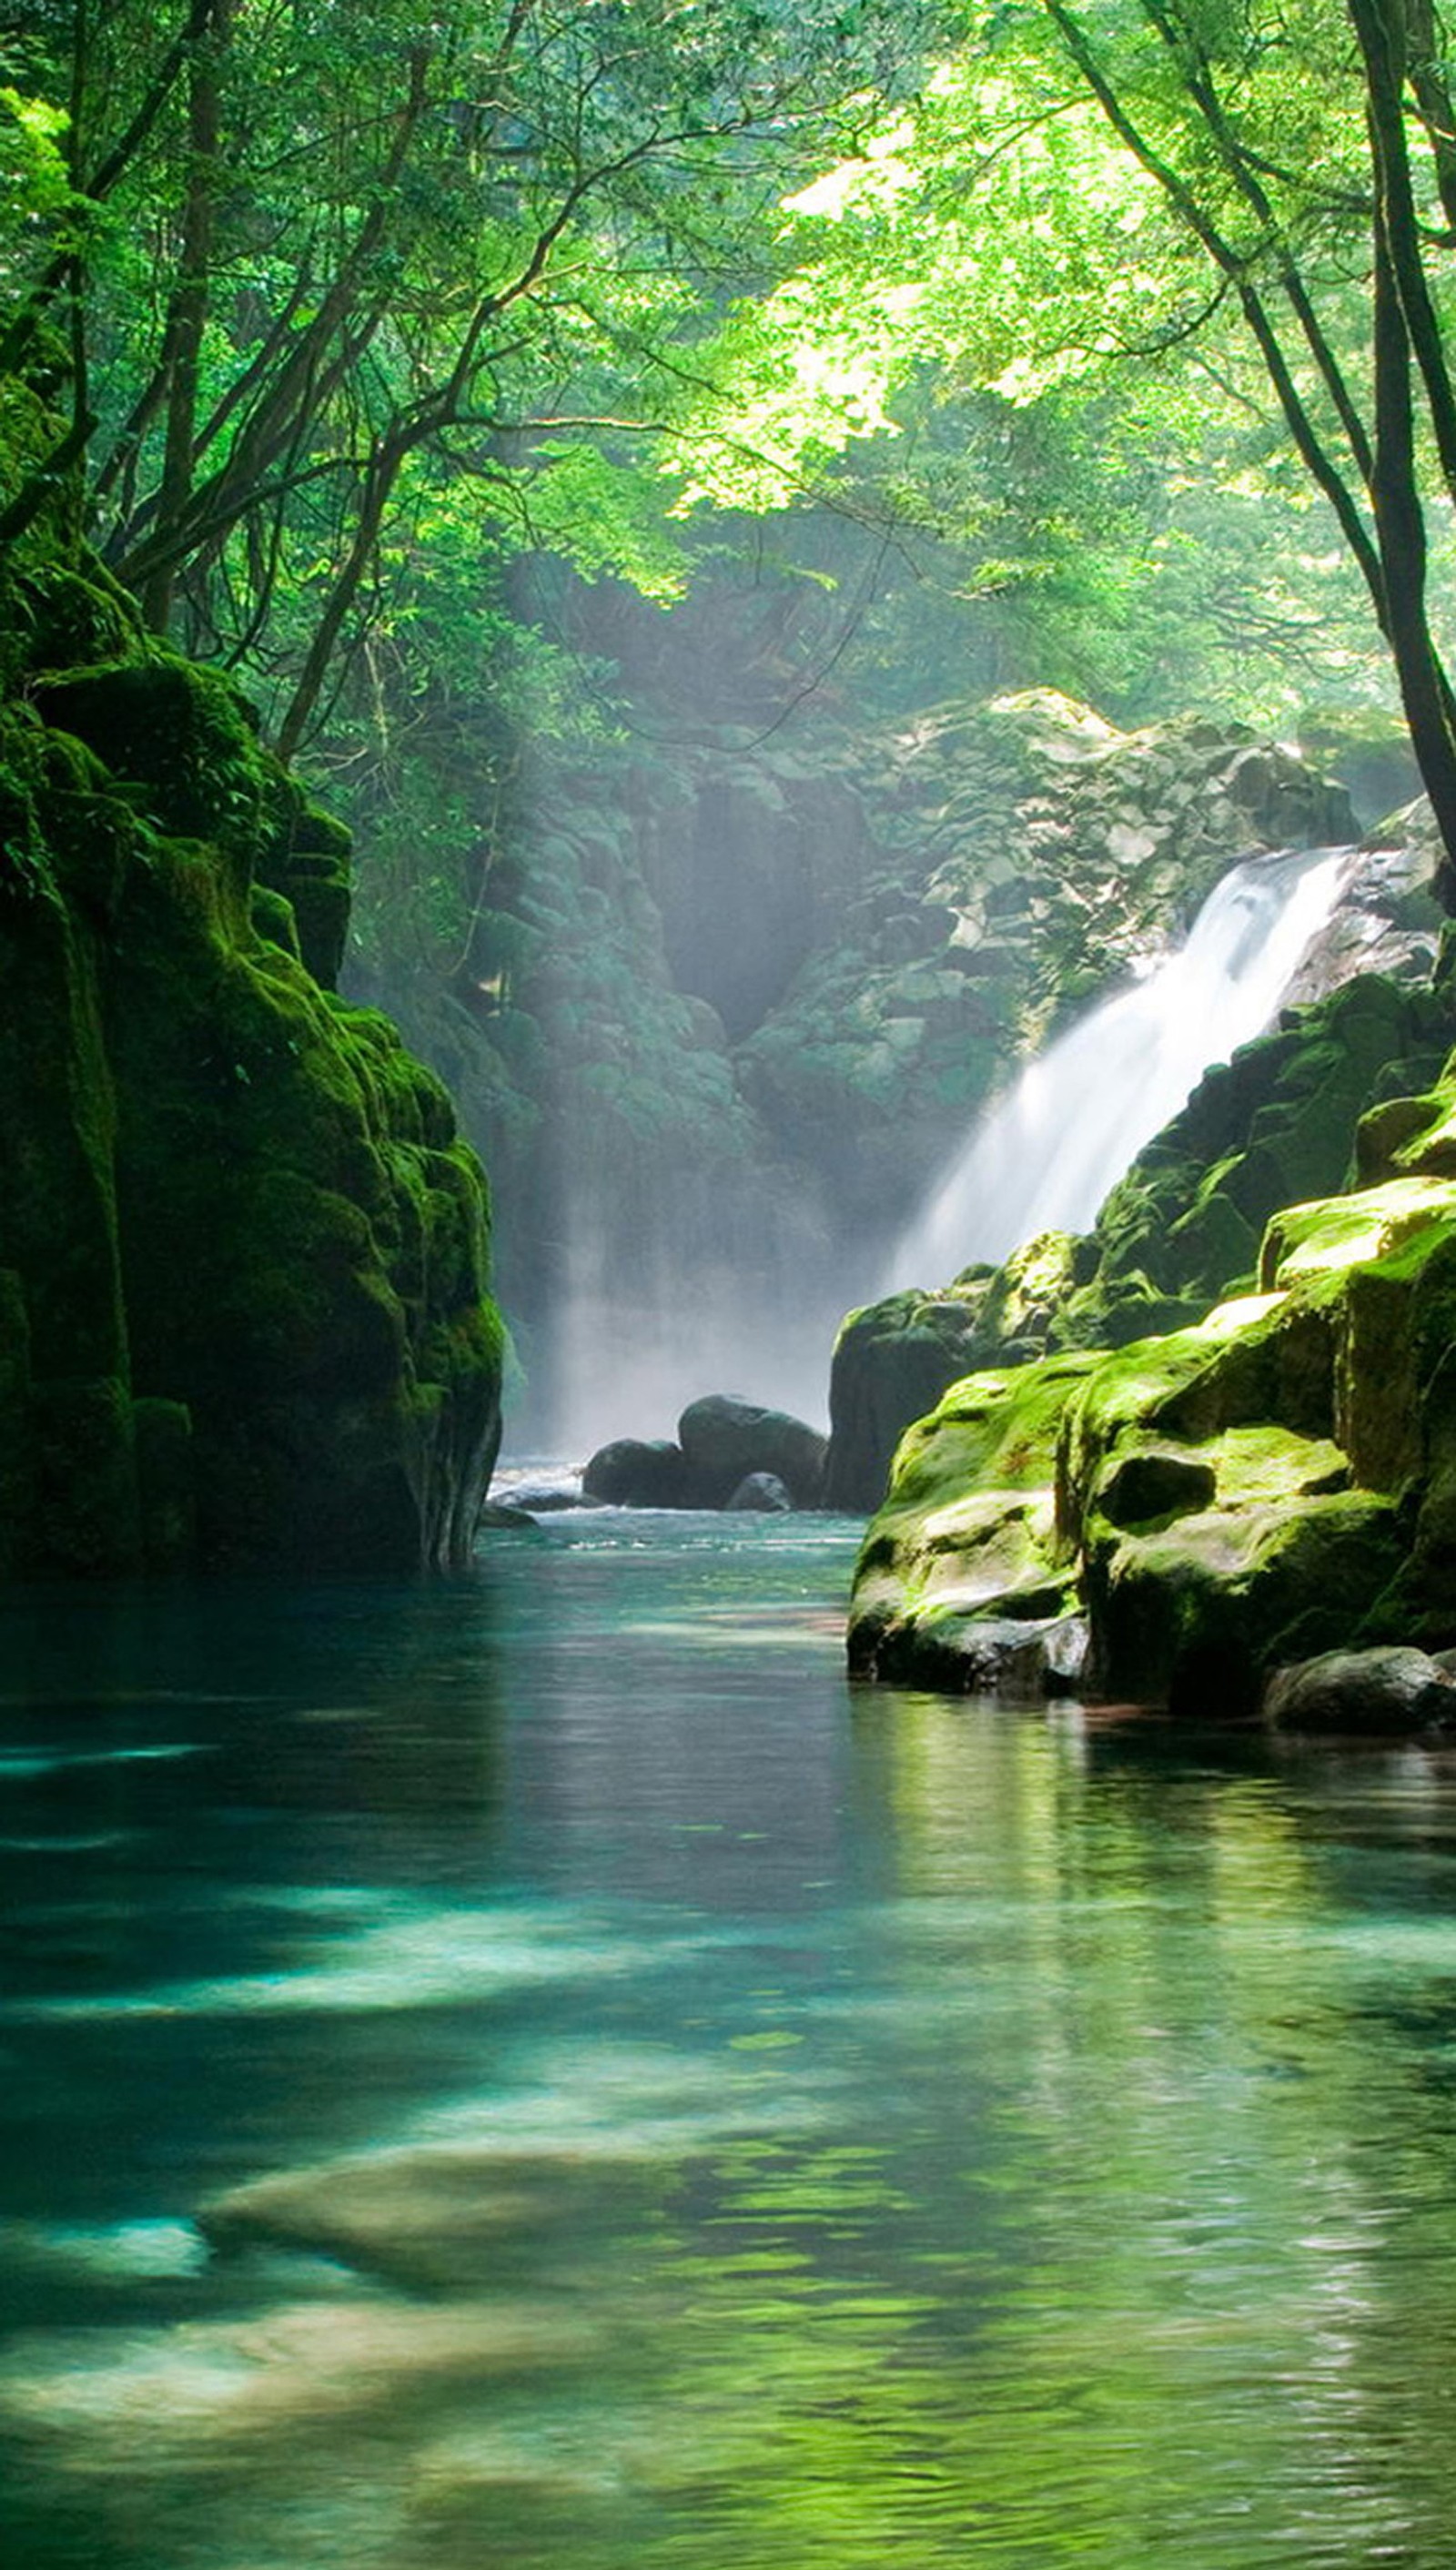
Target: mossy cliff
[[1276, 1482], [242, 1252]]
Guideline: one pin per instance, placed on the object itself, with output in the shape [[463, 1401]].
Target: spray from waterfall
[[1045, 1155]]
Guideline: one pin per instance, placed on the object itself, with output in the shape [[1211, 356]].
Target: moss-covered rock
[[1185, 1228], [1275, 1482], [969, 1531], [244, 1253], [1392, 1689]]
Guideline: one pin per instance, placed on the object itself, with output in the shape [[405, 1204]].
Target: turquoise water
[[537, 2070]]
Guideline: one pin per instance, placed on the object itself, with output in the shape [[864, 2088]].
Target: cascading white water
[[1045, 1155]]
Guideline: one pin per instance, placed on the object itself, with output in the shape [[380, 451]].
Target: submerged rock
[[759, 1493]]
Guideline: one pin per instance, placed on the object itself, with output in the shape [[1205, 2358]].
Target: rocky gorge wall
[[243, 1251], [720, 1012]]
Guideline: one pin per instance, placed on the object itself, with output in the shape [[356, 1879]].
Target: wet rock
[[643, 1473], [495, 1518], [1020, 1660], [725, 1440], [760, 1492], [542, 1498], [1392, 1689]]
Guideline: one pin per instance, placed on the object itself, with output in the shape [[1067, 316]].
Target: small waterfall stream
[[1047, 1152]]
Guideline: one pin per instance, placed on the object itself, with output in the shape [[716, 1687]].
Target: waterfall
[[1046, 1153]]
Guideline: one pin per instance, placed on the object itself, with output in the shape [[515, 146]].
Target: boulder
[[1395, 1689], [760, 1492], [1022, 1661], [725, 1440], [892, 1361], [642, 1472]]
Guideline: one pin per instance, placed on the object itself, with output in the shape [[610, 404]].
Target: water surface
[[537, 2070]]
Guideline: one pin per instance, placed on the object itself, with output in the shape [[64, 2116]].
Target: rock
[[725, 1440], [891, 1364], [760, 1491], [1270, 1129], [1194, 1616], [430, 2217], [247, 1249], [538, 1498], [893, 1360], [1277, 1483], [1395, 1689], [1022, 1662], [1157, 1482], [498, 1518], [638, 1473], [968, 1531]]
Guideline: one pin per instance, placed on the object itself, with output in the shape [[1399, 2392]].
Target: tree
[[333, 265], [1133, 190]]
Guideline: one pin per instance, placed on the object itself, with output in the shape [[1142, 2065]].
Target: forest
[[728, 1283], [672, 492]]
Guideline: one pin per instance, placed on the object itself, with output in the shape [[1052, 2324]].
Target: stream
[[535, 2069]]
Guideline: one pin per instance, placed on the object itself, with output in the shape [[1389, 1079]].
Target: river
[[535, 2070]]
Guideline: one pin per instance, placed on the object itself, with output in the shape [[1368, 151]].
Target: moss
[[1277, 1481], [1346, 1232], [273, 918], [78, 614], [247, 1254], [178, 732], [968, 1529], [166, 1483], [1195, 1616], [86, 1516]]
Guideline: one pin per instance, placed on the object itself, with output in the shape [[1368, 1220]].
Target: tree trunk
[[188, 316]]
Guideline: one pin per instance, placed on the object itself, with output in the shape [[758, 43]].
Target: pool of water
[[537, 2070]]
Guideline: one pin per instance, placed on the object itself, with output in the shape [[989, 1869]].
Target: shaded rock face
[[1268, 1486], [1029, 857], [242, 1249]]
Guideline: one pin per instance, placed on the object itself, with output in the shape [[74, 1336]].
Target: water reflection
[[537, 2071]]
